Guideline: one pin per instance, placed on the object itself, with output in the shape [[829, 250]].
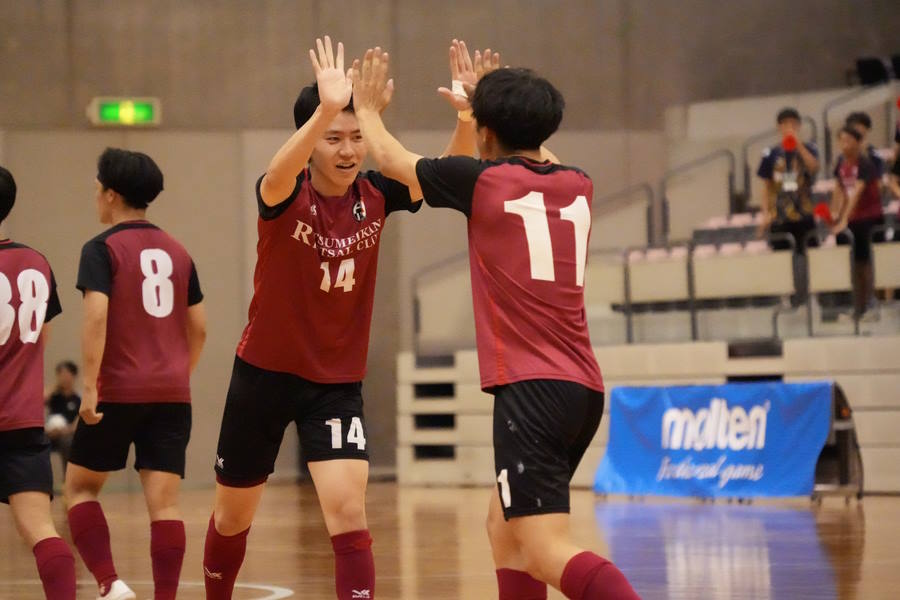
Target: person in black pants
[[62, 410], [789, 170]]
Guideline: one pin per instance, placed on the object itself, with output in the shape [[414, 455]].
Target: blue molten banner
[[734, 440]]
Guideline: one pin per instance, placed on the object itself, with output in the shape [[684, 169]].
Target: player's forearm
[[93, 343], [462, 142], [294, 155], [768, 198], [196, 333], [392, 158]]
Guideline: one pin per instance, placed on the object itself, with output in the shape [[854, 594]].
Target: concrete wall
[[239, 64]]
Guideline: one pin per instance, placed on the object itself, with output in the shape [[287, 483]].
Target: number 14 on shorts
[[354, 436]]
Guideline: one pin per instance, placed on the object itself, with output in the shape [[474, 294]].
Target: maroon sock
[[354, 566], [222, 558], [91, 536], [167, 542], [590, 577], [519, 585], [56, 566]]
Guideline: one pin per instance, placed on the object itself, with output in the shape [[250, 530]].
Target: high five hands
[[468, 72], [372, 89], [335, 85]]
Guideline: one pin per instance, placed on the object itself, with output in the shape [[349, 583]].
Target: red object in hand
[[824, 213], [898, 101], [789, 143]]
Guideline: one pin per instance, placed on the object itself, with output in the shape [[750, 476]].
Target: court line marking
[[275, 592]]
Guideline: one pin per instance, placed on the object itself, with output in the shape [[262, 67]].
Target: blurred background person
[[63, 403]]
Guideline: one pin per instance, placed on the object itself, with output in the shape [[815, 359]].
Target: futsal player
[[529, 221], [302, 356], [28, 302], [143, 330]]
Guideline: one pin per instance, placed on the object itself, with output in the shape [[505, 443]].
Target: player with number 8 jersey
[[143, 331]]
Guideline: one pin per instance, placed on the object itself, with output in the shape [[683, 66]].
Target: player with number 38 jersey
[[143, 328], [28, 302]]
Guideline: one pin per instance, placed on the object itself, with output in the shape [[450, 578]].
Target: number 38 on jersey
[[34, 292]]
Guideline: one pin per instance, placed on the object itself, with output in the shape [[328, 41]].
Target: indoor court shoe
[[118, 591]]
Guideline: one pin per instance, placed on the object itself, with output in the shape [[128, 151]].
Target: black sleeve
[[895, 170], [396, 195], [53, 306], [195, 294], [268, 213], [766, 164], [868, 172], [95, 268], [449, 182], [812, 148], [897, 136]]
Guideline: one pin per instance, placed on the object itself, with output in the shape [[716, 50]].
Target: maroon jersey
[[529, 225], [863, 169], [314, 282], [151, 281], [27, 300]]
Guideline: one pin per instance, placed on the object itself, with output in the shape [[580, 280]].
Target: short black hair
[[859, 118], [67, 365], [134, 175], [308, 101], [520, 107], [787, 113], [7, 193], [851, 132]]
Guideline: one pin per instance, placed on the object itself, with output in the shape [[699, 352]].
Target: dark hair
[[859, 118], [787, 113], [134, 175], [520, 107], [308, 101], [851, 132], [67, 365], [7, 193]]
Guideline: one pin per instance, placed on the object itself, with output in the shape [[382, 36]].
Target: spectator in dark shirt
[[789, 170], [862, 123], [62, 410], [856, 204]]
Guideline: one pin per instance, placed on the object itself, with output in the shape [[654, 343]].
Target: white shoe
[[117, 591]]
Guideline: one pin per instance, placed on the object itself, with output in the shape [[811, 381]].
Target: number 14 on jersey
[[344, 279]]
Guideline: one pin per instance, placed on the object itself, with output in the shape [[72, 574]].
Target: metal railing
[[689, 166], [624, 198]]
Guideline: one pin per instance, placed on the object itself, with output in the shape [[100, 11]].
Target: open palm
[[335, 85]]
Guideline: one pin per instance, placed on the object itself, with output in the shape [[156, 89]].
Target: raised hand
[[335, 86], [465, 73], [372, 90]]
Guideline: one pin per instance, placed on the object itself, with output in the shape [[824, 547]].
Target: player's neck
[[534, 155], [128, 214]]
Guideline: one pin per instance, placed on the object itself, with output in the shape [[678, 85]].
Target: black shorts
[[542, 429], [862, 237], [261, 404], [24, 462], [160, 432]]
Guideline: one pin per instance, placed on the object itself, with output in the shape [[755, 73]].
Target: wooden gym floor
[[430, 544]]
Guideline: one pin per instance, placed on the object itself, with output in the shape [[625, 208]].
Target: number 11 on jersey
[[537, 233]]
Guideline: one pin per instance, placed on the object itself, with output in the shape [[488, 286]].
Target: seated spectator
[[862, 123], [856, 204], [789, 172], [62, 410]]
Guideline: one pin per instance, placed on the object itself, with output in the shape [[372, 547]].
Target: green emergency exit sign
[[108, 111]]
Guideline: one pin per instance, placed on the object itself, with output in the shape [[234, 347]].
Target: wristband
[[465, 115]]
